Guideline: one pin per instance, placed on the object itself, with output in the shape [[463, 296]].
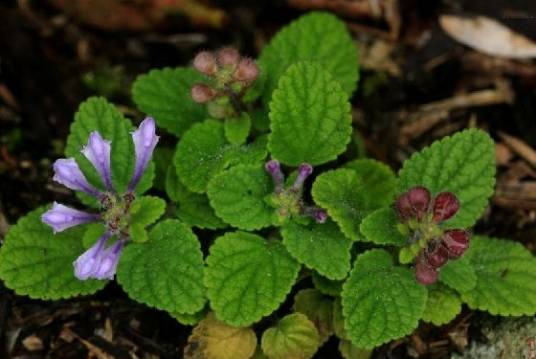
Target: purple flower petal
[[304, 171], [67, 172], [61, 217], [109, 261], [97, 151], [145, 140], [274, 169], [87, 265]]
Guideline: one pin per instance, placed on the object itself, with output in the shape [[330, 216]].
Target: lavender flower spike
[[97, 151], [67, 172], [274, 169], [109, 260], [145, 140], [304, 171], [87, 265], [61, 217]]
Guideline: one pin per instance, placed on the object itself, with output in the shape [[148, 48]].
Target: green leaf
[[166, 272], [317, 37], [138, 233], [318, 308], [146, 210], [325, 285], [344, 194], [238, 197], [350, 351], [237, 129], [458, 274], [310, 117], [194, 208], [248, 277], [506, 277], [379, 180], [442, 306], [163, 158], [92, 232], [321, 247], [338, 320], [380, 227], [213, 339], [294, 337], [96, 114], [38, 263], [190, 319], [380, 301], [464, 164], [203, 152], [165, 95]]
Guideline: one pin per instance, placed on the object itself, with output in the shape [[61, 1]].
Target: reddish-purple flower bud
[[228, 57], [97, 151], [202, 93], [456, 242], [205, 62], [304, 171], [145, 140], [414, 203], [67, 172], [61, 217], [437, 256], [424, 273], [247, 71], [446, 205], [274, 169]]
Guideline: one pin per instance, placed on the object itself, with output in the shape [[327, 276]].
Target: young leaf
[[248, 277], [506, 277], [310, 117], [146, 210], [313, 37], [343, 194], [237, 129], [164, 94], [38, 263], [459, 274], [379, 180], [165, 272], [194, 208], [380, 301], [238, 197], [321, 247], [213, 339], [380, 227], [318, 308], [325, 285], [464, 164], [295, 337], [203, 152], [442, 306], [96, 114]]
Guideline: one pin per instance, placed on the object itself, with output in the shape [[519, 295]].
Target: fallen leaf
[[488, 36]]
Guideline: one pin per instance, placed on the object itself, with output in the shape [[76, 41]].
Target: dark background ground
[[50, 61]]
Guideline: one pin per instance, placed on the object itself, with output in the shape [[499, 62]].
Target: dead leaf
[[33, 343], [488, 36]]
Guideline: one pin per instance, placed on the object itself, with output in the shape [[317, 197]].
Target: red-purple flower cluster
[[417, 204]]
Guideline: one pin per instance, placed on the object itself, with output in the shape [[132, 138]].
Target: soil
[[51, 60]]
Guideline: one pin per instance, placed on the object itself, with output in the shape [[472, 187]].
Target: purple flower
[[274, 169], [87, 265], [304, 171], [318, 214], [109, 260], [61, 217], [67, 172], [145, 140], [97, 151]]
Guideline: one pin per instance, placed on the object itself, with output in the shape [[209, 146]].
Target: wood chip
[[503, 154], [519, 147], [33, 343]]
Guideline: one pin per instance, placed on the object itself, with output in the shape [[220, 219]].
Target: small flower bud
[[274, 169], [437, 256], [228, 56], [413, 204], [304, 171], [456, 242], [205, 62], [247, 71], [424, 273], [202, 93], [446, 205]]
